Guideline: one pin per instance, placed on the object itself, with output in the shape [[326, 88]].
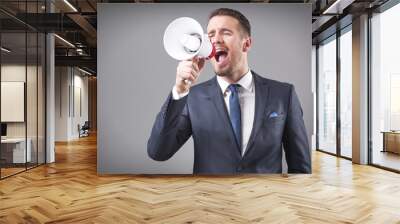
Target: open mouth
[[220, 55]]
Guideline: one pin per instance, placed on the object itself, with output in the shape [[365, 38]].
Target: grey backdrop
[[135, 74]]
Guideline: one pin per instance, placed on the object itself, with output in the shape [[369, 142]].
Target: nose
[[216, 39]]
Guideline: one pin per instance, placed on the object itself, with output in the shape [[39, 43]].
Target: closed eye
[[227, 33]]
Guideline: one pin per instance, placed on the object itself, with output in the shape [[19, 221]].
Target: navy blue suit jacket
[[203, 115]]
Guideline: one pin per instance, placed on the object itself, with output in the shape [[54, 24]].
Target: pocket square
[[273, 114]]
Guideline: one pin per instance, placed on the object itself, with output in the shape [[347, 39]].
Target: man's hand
[[187, 73]]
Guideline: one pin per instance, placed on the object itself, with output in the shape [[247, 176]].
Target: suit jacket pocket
[[273, 128], [276, 118], [275, 121]]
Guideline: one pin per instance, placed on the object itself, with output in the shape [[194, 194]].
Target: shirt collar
[[246, 82]]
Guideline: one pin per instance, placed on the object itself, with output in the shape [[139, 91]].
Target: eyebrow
[[222, 30]]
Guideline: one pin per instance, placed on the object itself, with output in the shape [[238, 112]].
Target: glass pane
[[22, 89], [31, 101], [327, 96], [346, 94], [386, 89], [41, 98], [13, 87]]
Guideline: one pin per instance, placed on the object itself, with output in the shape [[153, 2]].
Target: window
[[333, 137], [385, 88], [346, 93], [327, 96]]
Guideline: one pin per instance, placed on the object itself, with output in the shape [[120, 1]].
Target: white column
[[50, 91], [360, 90], [50, 110]]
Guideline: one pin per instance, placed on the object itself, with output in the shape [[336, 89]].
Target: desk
[[391, 141], [13, 150]]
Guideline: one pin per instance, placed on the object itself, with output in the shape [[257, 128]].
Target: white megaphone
[[184, 39]]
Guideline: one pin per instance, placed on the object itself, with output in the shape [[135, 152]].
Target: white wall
[[70, 83], [17, 73], [62, 81], [79, 117]]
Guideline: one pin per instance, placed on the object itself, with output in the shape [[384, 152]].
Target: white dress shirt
[[246, 99]]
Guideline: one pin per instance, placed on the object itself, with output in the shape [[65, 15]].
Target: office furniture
[[13, 150], [391, 141], [84, 130]]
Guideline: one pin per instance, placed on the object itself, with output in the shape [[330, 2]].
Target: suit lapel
[[261, 95], [215, 95]]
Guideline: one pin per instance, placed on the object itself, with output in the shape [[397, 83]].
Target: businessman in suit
[[238, 119]]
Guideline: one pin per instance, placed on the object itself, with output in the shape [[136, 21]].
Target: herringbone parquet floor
[[70, 191]]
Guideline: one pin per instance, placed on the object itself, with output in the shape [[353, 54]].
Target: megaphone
[[184, 39]]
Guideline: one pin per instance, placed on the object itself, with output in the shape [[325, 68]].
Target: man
[[238, 119]]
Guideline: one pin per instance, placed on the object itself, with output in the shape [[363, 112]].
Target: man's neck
[[235, 78]]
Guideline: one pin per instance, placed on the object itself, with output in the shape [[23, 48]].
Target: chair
[[84, 130]]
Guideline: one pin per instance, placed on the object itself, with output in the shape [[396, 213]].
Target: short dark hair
[[243, 21]]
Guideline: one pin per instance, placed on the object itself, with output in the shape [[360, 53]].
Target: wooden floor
[[5, 172], [387, 159], [70, 191]]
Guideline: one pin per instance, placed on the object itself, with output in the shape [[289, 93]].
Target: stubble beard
[[225, 72]]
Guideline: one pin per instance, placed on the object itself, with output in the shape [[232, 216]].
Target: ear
[[246, 44]]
